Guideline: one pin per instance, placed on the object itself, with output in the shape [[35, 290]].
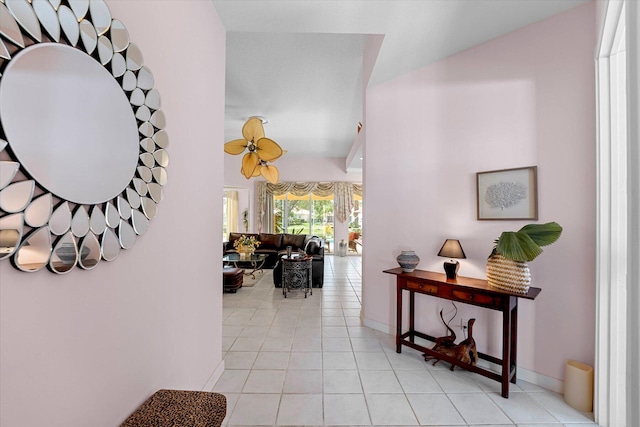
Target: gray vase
[[408, 260]]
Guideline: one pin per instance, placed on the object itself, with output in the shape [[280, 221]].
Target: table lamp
[[451, 249]]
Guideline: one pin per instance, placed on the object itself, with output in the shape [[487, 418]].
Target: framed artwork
[[507, 194]]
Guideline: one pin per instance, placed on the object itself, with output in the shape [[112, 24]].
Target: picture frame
[[507, 194]]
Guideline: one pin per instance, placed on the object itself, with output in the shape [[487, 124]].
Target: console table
[[469, 291]]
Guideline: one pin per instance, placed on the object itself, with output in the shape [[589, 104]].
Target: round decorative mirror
[[83, 153]]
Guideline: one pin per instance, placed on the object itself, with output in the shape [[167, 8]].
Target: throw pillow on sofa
[[313, 247]]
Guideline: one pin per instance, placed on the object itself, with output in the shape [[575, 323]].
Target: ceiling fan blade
[[252, 129], [256, 172], [236, 146], [268, 150], [249, 163], [270, 173]]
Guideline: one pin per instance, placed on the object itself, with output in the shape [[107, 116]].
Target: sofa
[[275, 245]]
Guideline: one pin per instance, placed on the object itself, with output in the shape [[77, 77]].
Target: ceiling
[[298, 63]]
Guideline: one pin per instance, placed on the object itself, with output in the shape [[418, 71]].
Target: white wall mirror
[[83, 153]]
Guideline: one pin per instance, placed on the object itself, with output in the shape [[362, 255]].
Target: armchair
[[353, 241]]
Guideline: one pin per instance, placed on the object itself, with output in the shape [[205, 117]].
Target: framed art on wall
[[507, 194]]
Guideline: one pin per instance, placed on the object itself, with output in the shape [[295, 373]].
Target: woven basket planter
[[508, 275]]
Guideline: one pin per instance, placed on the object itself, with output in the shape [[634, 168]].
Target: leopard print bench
[[180, 408]]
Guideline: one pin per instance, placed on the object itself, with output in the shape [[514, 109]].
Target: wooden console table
[[469, 291]]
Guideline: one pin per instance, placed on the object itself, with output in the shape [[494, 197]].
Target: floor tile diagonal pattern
[[310, 362]]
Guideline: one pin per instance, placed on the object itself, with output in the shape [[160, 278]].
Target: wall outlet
[[463, 323]]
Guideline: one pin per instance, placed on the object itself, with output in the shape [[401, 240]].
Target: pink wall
[[523, 99], [85, 349]]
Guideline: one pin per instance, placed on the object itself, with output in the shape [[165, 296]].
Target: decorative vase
[[245, 251], [408, 260], [508, 275], [342, 248]]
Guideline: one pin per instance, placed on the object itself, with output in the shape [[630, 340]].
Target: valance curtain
[[343, 195]]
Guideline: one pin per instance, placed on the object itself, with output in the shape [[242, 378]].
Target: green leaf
[[543, 234], [517, 246]]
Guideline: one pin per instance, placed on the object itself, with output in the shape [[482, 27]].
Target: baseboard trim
[[524, 374], [215, 376], [378, 326], [540, 380]]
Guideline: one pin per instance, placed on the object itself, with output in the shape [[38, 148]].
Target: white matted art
[[507, 194]]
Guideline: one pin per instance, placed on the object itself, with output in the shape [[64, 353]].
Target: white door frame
[[633, 191], [616, 380]]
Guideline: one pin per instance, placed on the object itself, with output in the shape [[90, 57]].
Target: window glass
[[355, 226], [225, 221], [229, 213], [308, 214]]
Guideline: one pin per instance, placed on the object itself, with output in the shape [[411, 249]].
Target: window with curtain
[[229, 213], [307, 207], [343, 194]]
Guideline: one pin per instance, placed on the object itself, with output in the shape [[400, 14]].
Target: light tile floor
[[307, 362]]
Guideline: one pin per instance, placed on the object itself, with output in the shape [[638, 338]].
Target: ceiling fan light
[[252, 129], [237, 146]]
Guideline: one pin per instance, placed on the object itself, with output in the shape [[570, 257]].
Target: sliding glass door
[[308, 214]]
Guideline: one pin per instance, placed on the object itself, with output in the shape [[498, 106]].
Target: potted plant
[[246, 245], [245, 219], [507, 267]]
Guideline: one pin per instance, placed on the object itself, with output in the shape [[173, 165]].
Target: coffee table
[[253, 262]]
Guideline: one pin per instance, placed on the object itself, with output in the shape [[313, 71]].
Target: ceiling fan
[[260, 151]]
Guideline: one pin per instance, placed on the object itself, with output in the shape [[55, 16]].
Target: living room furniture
[[232, 279], [253, 262], [315, 249], [275, 245], [353, 241], [180, 408], [469, 291], [296, 273]]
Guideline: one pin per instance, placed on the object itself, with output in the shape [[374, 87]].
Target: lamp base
[[451, 268]]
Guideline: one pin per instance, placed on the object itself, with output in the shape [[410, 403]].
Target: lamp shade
[[451, 249]]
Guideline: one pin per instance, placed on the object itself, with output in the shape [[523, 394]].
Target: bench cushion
[[178, 408]]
